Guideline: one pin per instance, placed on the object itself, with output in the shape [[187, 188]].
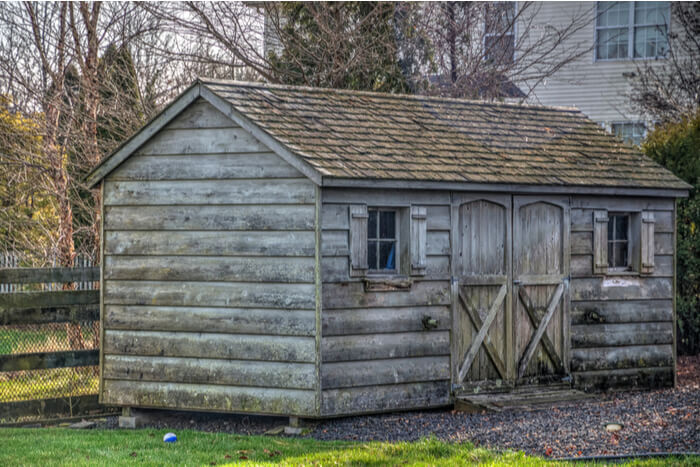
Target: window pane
[[611, 229], [651, 12], [611, 253], [372, 255], [387, 255], [612, 43], [372, 223], [500, 49], [632, 133], [613, 14], [387, 224], [621, 227], [650, 41]]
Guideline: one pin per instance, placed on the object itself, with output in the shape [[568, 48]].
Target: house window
[[631, 30], [618, 241], [629, 132], [382, 240], [499, 37]]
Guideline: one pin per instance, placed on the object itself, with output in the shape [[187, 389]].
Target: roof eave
[[337, 182]]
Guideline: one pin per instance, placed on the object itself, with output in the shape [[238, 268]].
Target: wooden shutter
[[358, 240], [647, 242], [419, 232], [600, 242]]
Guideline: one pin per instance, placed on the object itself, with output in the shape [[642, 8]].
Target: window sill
[[388, 284], [622, 273]]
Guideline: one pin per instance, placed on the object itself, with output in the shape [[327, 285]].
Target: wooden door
[[482, 328], [541, 288]]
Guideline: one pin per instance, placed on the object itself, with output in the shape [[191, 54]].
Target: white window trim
[[513, 32], [397, 239], [611, 127], [630, 35]]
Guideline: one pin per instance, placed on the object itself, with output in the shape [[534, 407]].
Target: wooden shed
[[312, 252]]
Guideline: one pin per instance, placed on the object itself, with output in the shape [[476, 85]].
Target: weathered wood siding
[[621, 325], [376, 354], [209, 270]]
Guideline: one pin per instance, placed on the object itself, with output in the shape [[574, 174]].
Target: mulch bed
[[653, 421]]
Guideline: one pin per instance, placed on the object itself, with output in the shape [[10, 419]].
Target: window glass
[[618, 241], [382, 240], [645, 37], [630, 132], [499, 38]]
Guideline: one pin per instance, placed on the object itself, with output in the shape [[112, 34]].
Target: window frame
[[397, 241], [632, 123], [631, 26], [512, 31], [629, 267]]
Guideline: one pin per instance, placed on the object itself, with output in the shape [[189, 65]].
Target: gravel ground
[[654, 421]]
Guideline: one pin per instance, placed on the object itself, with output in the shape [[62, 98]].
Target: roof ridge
[[385, 95]]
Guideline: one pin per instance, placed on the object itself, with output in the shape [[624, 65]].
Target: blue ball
[[169, 438]]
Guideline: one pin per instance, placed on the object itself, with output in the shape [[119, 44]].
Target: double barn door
[[510, 287]]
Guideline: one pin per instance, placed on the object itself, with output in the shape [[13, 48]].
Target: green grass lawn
[[62, 446]]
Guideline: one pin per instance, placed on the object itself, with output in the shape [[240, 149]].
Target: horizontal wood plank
[[633, 378], [353, 295], [48, 275], [627, 311], [383, 346], [382, 372], [336, 268], [49, 314], [335, 217], [202, 141], [620, 203], [353, 401], [210, 371], [210, 192], [383, 320], [386, 198], [609, 358], [210, 345], [582, 266], [582, 220], [621, 288], [61, 298], [208, 243], [205, 397], [205, 166], [202, 319], [207, 268], [200, 114], [199, 217], [582, 243], [215, 294], [602, 335], [48, 360]]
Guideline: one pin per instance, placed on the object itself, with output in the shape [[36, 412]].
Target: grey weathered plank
[[202, 319], [438, 242], [621, 288], [204, 166], [581, 243], [222, 217], [336, 268], [417, 240], [386, 198], [209, 397], [663, 244], [335, 243], [581, 220], [383, 320], [207, 268], [48, 360], [200, 114], [353, 295], [628, 311], [381, 372], [210, 371], [637, 378], [382, 346], [33, 300], [609, 358], [582, 266], [202, 141], [49, 314], [210, 243], [602, 335], [48, 275], [388, 398], [178, 192], [619, 203], [358, 239], [210, 345], [227, 294]]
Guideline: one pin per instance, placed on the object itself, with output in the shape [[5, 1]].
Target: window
[[618, 241], [629, 132], [631, 30], [382, 240], [499, 37]]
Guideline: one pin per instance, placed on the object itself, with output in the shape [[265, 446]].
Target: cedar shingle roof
[[363, 135]]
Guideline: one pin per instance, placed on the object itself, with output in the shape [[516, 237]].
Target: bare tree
[[669, 89]]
